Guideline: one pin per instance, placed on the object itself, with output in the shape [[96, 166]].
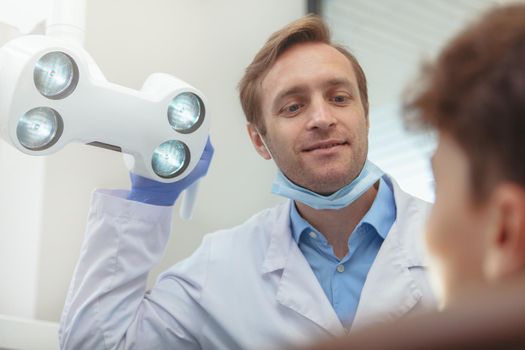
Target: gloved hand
[[158, 193]]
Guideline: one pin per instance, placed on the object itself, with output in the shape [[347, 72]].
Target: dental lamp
[[52, 93]]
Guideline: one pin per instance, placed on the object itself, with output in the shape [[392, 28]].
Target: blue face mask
[[369, 175]]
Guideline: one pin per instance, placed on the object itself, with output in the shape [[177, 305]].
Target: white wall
[[21, 200], [207, 43]]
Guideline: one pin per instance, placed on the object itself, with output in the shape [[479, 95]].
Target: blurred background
[[44, 201]]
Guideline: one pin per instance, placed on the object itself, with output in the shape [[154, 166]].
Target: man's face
[[315, 122], [456, 226]]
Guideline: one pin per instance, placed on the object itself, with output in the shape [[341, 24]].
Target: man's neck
[[337, 225]]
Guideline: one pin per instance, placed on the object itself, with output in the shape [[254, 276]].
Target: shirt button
[[312, 234], [340, 268]]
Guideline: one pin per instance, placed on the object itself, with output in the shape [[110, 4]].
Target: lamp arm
[[67, 20]]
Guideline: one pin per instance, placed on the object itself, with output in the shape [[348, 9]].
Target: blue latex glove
[[158, 193]]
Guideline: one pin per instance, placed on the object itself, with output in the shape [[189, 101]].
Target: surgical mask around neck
[[369, 175]]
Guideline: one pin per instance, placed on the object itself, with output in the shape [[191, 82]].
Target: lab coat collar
[[280, 241], [298, 288], [389, 281], [407, 207]]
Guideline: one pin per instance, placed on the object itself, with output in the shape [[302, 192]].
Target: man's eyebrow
[[341, 82]]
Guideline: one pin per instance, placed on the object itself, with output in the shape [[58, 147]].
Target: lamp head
[[55, 75], [39, 128], [52, 93]]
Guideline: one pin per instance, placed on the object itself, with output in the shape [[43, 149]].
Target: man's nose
[[321, 115]]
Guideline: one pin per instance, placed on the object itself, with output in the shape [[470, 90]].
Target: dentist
[[342, 252]]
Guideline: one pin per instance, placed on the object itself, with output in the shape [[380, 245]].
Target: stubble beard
[[323, 182]]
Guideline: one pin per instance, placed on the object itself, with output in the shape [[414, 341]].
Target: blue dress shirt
[[342, 279]]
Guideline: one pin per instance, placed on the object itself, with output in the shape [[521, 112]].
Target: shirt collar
[[382, 213], [298, 224], [380, 216]]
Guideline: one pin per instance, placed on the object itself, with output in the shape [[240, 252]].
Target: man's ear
[[505, 250], [258, 142]]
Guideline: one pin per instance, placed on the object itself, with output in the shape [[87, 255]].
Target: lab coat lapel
[[390, 291], [298, 289]]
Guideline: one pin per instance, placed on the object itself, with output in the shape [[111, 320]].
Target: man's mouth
[[324, 145]]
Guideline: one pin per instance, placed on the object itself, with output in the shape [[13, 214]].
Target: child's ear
[[505, 243]]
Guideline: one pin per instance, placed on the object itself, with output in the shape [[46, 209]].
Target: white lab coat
[[248, 287]]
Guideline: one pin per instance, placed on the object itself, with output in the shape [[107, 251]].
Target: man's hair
[[475, 93], [308, 29]]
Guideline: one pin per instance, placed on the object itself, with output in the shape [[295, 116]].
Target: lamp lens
[[55, 75], [170, 159], [39, 128], [186, 112]]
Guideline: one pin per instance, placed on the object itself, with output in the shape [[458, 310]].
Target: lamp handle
[[188, 201]]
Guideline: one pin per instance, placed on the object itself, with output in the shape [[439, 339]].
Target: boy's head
[[474, 96]]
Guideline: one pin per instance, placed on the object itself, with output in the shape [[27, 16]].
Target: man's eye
[[340, 99], [293, 108]]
